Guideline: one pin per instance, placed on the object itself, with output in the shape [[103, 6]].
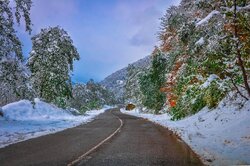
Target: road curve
[[83, 156], [61, 148], [142, 143], [138, 142]]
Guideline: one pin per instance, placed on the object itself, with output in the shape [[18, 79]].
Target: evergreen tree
[[152, 81], [50, 62], [130, 87], [79, 93], [133, 94], [13, 73], [90, 96]]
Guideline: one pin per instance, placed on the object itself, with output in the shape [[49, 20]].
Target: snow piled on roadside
[[22, 120], [220, 136], [24, 110]]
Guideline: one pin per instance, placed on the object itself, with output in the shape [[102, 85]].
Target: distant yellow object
[[130, 106]]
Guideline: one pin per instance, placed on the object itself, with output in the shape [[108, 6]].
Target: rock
[[209, 160], [1, 112]]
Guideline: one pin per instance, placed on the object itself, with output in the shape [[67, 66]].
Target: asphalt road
[[139, 142]]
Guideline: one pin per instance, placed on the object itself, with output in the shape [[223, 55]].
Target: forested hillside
[[116, 82], [90, 96], [203, 55]]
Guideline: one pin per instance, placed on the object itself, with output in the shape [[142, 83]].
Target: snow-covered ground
[[220, 136], [22, 120]]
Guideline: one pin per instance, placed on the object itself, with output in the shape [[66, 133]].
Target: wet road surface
[[138, 142]]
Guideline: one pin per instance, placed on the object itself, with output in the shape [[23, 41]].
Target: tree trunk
[[241, 63]]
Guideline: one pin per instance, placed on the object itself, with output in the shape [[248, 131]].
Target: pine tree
[[13, 73], [50, 62]]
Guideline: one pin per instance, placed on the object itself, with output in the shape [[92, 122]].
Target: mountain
[[117, 80]]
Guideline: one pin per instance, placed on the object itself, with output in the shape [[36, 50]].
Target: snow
[[120, 82], [210, 79], [200, 42], [237, 8], [220, 136], [245, 8], [22, 120], [208, 17]]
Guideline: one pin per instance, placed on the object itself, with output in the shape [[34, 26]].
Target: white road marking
[[98, 145]]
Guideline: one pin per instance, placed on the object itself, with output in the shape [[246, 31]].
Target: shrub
[[177, 112], [198, 104], [60, 102], [213, 95], [193, 98]]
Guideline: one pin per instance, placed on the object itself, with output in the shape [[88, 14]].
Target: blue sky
[[108, 34]]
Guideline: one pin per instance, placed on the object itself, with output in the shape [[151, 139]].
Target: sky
[[108, 34]]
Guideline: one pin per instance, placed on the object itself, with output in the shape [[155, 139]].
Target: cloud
[[145, 35], [46, 13]]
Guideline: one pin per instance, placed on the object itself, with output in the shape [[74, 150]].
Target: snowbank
[[220, 136], [25, 110], [22, 120]]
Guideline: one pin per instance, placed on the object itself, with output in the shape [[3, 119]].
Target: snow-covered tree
[[237, 30], [152, 81], [225, 34], [90, 96], [208, 47], [129, 85], [100, 95], [51, 63], [13, 73], [133, 94]]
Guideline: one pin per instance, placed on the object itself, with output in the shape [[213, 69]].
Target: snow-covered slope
[[220, 136], [116, 81], [22, 120]]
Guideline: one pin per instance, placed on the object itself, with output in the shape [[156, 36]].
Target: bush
[[60, 102], [198, 104], [177, 112], [213, 95], [83, 109], [95, 104], [194, 98]]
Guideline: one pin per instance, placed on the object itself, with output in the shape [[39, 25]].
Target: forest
[[204, 54]]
